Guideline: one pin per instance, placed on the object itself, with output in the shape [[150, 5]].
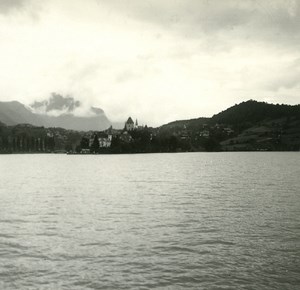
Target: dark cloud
[[248, 20], [7, 6], [57, 102]]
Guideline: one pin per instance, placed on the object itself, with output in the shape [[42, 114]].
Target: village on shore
[[97, 141], [249, 126], [134, 138]]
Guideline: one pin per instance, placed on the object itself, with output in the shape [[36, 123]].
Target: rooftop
[[129, 121]]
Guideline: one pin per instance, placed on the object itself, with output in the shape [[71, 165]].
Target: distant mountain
[[13, 113], [39, 114]]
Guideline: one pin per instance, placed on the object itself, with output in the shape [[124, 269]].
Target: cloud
[[225, 21], [154, 60], [57, 105], [284, 79], [127, 75], [57, 102]]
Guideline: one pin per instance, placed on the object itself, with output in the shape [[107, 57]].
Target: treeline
[[14, 144], [25, 139], [143, 141], [148, 140]]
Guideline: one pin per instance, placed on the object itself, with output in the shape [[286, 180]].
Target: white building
[[104, 140]]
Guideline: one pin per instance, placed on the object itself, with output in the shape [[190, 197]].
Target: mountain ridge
[[14, 112]]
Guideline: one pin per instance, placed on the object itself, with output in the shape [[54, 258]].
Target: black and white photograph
[[150, 144]]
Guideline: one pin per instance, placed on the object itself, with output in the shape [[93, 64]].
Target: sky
[[154, 60]]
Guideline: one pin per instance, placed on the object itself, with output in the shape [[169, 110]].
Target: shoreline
[[136, 153]]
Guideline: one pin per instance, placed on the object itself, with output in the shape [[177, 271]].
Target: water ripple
[[173, 221]]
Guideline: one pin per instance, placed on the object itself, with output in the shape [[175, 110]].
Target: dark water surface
[[163, 221]]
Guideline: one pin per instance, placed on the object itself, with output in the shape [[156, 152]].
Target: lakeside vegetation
[[249, 126]]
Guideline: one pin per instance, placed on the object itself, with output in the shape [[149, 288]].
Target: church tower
[[129, 125]]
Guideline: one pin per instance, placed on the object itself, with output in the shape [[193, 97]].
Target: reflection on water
[[175, 221]]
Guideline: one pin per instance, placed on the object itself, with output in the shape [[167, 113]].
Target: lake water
[[163, 221]]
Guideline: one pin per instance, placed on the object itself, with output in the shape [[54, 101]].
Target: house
[[125, 137], [112, 131], [228, 131], [184, 135], [104, 140], [204, 133]]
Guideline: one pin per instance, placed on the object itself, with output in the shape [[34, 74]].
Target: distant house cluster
[[206, 130], [103, 139]]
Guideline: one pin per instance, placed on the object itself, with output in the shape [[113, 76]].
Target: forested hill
[[248, 126], [251, 112], [243, 115], [192, 124]]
